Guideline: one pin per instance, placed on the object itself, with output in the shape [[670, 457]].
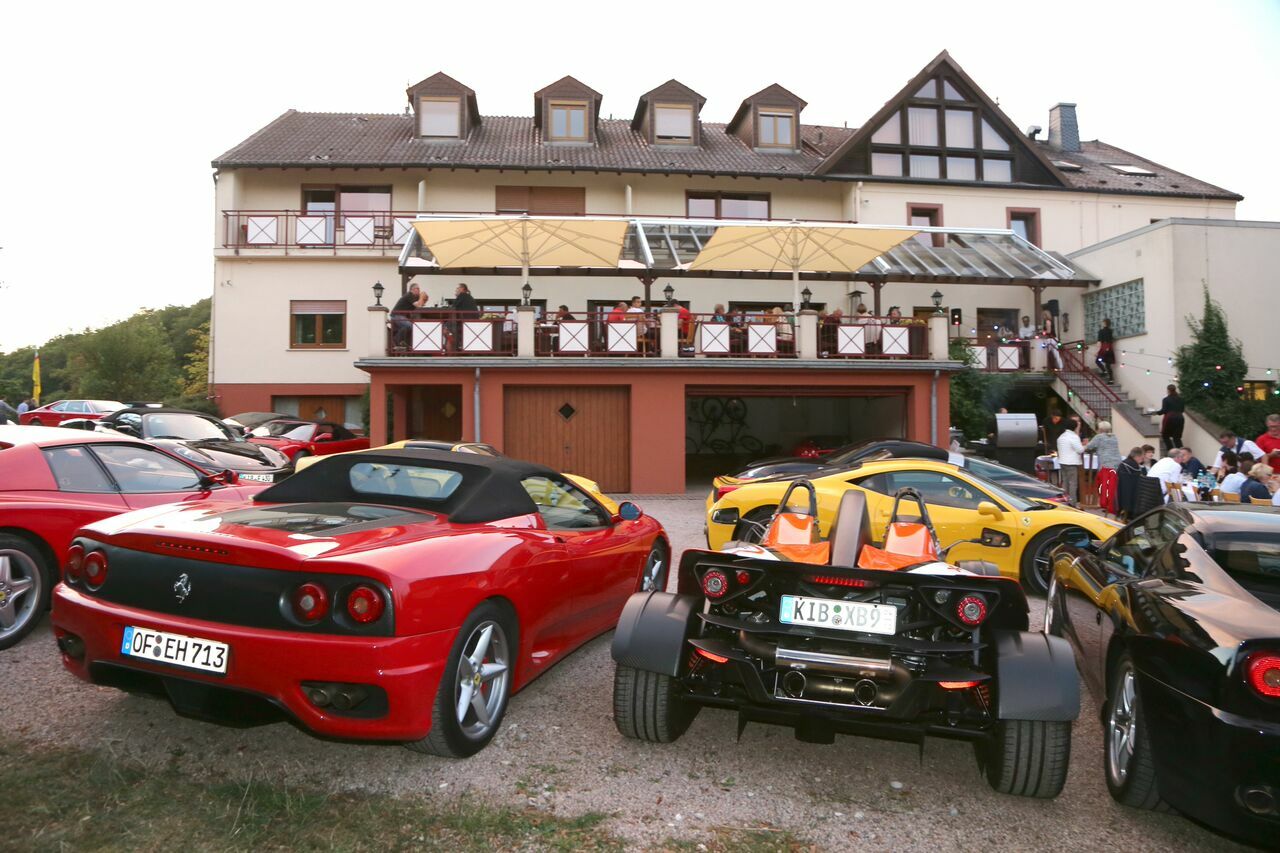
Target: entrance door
[[435, 411], [322, 409], [577, 429]]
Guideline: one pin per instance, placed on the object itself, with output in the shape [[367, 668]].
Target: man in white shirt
[[1230, 441], [1026, 331], [1070, 457], [1169, 469]]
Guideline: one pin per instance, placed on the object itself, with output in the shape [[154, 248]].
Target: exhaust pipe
[[836, 664], [793, 684], [1258, 799]]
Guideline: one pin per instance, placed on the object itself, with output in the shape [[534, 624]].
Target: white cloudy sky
[[110, 113]]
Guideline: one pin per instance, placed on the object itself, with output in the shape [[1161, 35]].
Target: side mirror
[[627, 511], [989, 510], [728, 515], [222, 478], [324, 436]]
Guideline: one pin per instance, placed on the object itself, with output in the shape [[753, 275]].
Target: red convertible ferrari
[[398, 595]]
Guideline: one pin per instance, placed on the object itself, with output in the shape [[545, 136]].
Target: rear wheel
[[472, 698], [657, 566], [26, 582], [1029, 758], [648, 706], [35, 422], [1131, 774], [752, 525]]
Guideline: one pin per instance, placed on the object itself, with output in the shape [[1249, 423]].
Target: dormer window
[[776, 128], [569, 121], [673, 124], [440, 118]]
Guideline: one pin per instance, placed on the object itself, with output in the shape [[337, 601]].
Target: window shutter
[[511, 199], [317, 306], [558, 201]]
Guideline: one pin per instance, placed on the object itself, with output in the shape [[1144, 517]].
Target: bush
[[975, 394]]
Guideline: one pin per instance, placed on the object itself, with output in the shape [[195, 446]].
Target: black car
[[1176, 621], [1021, 484], [799, 636], [202, 439]]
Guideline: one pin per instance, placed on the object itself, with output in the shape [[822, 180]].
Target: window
[[334, 203], [777, 129], [141, 470], [991, 139], [1255, 389], [936, 488], [562, 506], [925, 166], [404, 481], [959, 128], [929, 90], [926, 216], [922, 126], [321, 201], [440, 117], [673, 123], [962, 169], [718, 205], [336, 432], [998, 171], [997, 323], [949, 92], [1134, 549], [1129, 170], [1123, 304], [75, 470], [317, 323], [364, 199], [1067, 165], [886, 164], [890, 133], [1025, 222], [568, 121], [183, 426]]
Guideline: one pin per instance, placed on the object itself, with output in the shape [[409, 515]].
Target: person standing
[[1107, 446], [1172, 422], [1269, 441], [1128, 473], [1106, 359], [1070, 457], [1230, 441], [1048, 333], [24, 406], [1026, 331], [7, 412]]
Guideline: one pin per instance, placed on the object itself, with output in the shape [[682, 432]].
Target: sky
[[111, 113]]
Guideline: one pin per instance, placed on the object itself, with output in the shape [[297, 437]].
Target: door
[[577, 429], [952, 504], [322, 409], [435, 412], [148, 477]]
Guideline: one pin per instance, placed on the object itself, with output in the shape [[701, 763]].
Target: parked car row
[[405, 593]]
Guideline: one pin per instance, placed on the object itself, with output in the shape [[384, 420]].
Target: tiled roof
[[378, 140]]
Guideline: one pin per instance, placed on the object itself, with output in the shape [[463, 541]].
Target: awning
[[648, 248]]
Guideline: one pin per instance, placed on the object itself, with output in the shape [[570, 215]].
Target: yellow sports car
[[461, 447], [1017, 533]]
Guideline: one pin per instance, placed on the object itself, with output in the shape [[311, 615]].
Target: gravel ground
[[558, 750]]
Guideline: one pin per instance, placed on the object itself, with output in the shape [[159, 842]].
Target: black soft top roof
[[490, 489], [162, 410]]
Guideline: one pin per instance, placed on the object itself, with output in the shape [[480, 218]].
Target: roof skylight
[[1125, 169], [1067, 165]]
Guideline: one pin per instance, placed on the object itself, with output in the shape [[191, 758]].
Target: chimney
[[1064, 133]]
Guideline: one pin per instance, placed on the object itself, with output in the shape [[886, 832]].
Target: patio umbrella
[[798, 247], [524, 241]]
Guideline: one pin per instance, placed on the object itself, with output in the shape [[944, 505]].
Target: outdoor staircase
[[1093, 398]]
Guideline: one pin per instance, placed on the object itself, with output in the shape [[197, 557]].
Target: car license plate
[[841, 615], [259, 478], [191, 652]]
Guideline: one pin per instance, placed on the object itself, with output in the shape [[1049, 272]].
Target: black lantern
[[378, 290], [805, 296], [526, 291], [937, 301], [670, 293]]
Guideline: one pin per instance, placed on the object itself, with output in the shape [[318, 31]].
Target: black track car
[[202, 439], [1018, 482], [1176, 619], [799, 632]]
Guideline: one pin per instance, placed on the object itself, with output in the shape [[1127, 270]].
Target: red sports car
[[54, 481], [307, 438], [52, 414], [397, 595]]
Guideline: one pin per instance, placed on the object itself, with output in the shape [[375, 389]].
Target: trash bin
[[1017, 436]]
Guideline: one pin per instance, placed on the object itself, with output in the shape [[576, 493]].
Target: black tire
[[1035, 572], [447, 737], [1136, 787], [1029, 758], [660, 553], [648, 706], [26, 584], [301, 454], [35, 422], [753, 532]]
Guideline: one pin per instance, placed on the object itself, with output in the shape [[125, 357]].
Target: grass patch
[[57, 799]]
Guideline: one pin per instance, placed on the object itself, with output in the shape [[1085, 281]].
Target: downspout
[[933, 409], [475, 404]]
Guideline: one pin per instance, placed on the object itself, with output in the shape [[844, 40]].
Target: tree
[[1212, 366], [975, 394], [130, 360], [196, 370]]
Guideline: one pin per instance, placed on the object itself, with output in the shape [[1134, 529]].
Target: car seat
[[908, 540], [851, 530], [793, 532]]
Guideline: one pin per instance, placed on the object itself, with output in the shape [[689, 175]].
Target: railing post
[[938, 344], [669, 332], [526, 322], [807, 333], [378, 343]]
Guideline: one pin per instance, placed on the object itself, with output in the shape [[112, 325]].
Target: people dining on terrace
[[1255, 488], [618, 314], [562, 315], [827, 332], [401, 315], [786, 332], [719, 315]]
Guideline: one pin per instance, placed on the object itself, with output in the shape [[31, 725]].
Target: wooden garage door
[[579, 429]]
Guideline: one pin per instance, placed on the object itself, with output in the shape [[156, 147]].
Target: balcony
[[316, 232]]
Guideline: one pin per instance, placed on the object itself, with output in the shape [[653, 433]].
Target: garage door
[[580, 429]]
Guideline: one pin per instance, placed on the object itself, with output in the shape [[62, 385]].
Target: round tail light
[[95, 569], [972, 610], [310, 602], [365, 604], [73, 572], [1263, 672], [715, 584], [743, 577]]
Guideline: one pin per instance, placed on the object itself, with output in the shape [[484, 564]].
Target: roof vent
[[1033, 130], [1064, 131]]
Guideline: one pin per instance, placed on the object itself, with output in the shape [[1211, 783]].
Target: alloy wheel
[[653, 571], [483, 679], [20, 591], [1122, 730]]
